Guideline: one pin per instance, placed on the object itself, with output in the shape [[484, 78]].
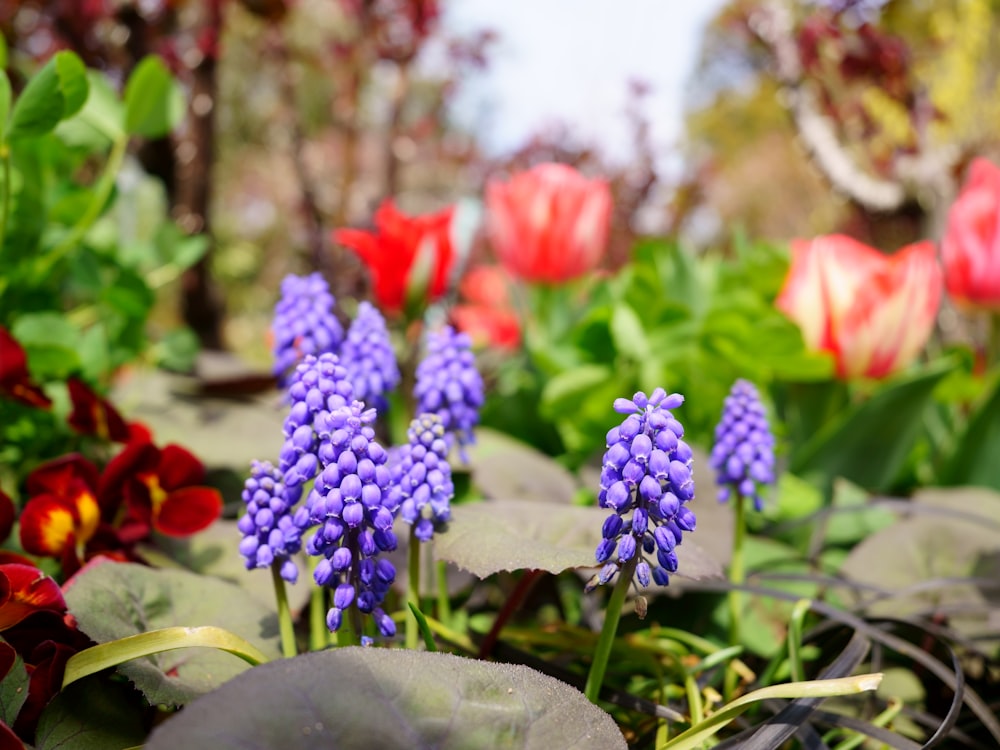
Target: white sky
[[570, 60]]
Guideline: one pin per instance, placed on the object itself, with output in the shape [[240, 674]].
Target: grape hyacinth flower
[[449, 385], [646, 480], [743, 454], [269, 535], [318, 385], [368, 356], [304, 323], [354, 509], [422, 478]]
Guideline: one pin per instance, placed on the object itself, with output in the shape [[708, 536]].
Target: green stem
[[285, 624], [443, 600], [595, 678], [5, 203], [737, 576], [319, 634], [98, 201], [413, 589]]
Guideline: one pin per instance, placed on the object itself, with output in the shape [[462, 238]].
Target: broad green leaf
[[360, 698], [488, 537], [927, 560], [50, 341], [93, 714], [869, 444], [975, 458], [627, 331], [154, 104], [504, 467], [13, 683], [55, 93], [116, 600], [102, 119]]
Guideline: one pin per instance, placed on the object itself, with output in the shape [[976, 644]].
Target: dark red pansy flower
[[162, 490], [15, 382], [93, 415], [24, 590]]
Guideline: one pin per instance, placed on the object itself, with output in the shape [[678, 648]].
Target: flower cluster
[[354, 510], [304, 323], [368, 356], [449, 385], [422, 477], [268, 531], [646, 480], [743, 454]]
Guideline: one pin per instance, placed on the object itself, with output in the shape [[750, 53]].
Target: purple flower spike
[[304, 323], [743, 454], [449, 385], [421, 477], [269, 534], [369, 358], [351, 500], [646, 481]]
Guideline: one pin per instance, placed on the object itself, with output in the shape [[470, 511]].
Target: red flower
[[62, 514], [550, 223], [970, 250], [872, 312], [15, 382], [160, 488], [399, 245], [24, 590], [93, 415], [488, 316]]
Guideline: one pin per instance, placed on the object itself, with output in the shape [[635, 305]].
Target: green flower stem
[[413, 589], [319, 634], [5, 202], [795, 628], [285, 624], [737, 576], [882, 720], [102, 191], [443, 601], [695, 706], [595, 678]]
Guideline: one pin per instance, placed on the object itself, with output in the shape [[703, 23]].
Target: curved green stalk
[[413, 589], [443, 601], [595, 678], [5, 201], [737, 576], [104, 655], [285, 624]]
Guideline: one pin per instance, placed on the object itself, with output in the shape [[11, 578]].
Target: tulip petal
[[188, 510]]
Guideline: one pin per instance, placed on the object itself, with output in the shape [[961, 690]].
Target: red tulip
[[15, 382], [397, 246], [486, 314], [970, 250], [550, 223], [872, 312]]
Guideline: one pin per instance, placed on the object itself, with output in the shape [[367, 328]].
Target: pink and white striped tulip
[[549, 224], [872, 312]]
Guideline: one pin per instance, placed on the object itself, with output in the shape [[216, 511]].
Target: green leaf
[[627, 331], [975, 458], [154, 104], [55, 93], [102, 119], [870, 443], [504, 467], [50, 341], [13, 683], [116, 600], [93, 714], [361, 698], [485, 538], [927, 560]]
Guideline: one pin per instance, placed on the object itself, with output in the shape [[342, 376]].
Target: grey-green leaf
[[361, 698], [92, 714], [154, 104], [13, 683], [485, 538], [115, 600]]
